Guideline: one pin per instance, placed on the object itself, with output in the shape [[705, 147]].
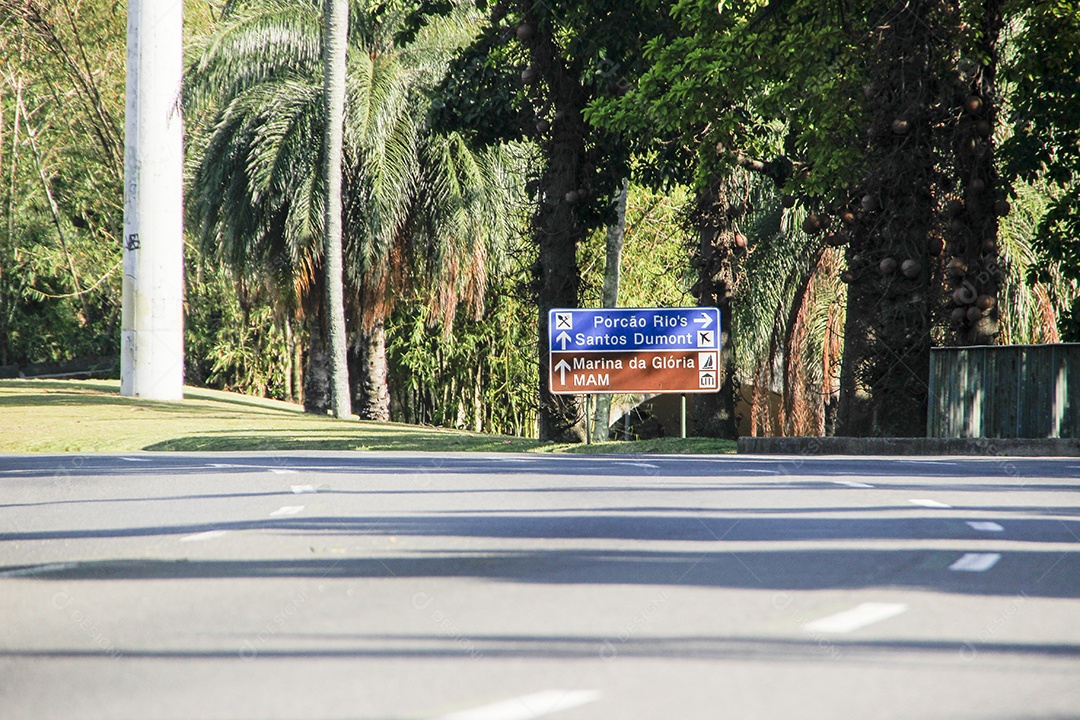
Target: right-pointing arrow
[[562, 367], [704, 321]]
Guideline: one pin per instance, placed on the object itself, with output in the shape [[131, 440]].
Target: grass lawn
[[51, 416]]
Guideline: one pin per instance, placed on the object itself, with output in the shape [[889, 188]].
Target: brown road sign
[[641, 371]]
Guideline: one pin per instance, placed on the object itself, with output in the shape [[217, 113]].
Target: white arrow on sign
[[562, 338], [562, 367], [704, 321]]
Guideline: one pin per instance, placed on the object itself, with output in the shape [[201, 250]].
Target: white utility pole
[[152, 343]]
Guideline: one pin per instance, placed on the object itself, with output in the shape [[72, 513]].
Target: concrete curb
[[1013, 447]]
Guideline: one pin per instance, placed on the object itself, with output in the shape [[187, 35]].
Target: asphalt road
[[465, 587]]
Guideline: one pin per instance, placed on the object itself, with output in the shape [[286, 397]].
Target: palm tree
[[254, 87], [334, 47]]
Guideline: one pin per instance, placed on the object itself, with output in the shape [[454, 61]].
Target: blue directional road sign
[[584, 329], [634, 350]]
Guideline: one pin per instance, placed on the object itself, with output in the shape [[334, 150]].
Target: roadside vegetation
[[851, 184], [84, 416]]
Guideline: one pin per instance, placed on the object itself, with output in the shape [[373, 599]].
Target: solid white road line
[[929, 503], [288, 510], [852, 483], [528, 706], [855, 618], [208, 535], [985, 526], [283, 471], [976, 562]]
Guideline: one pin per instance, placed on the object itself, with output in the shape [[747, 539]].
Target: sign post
[[633, 350]]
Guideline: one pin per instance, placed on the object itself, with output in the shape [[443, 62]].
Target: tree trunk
[[612, 266], [972, 232], [334, 48], [555, 224], [714, 258], [368, 361], [286, 327], [317, 374], [297, 350], [887, 331]]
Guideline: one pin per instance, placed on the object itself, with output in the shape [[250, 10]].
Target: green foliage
[[654, 268], [234, 340], [481, 95], [480, 376], [750, 82], [789, 309], [61, 154], [1035, 291], [1045, 124]]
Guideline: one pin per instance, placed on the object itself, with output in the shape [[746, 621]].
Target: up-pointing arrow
[[562, 338], [704, 321], [562, 367]]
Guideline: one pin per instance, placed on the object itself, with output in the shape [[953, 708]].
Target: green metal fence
[[1008, 391]]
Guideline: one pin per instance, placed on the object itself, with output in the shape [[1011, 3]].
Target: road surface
[[471, 587]]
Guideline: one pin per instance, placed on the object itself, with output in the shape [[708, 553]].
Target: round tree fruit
[[811, 224], [525, 32]]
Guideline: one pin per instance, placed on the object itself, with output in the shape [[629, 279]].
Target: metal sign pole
[[682, 417], [588, 412]]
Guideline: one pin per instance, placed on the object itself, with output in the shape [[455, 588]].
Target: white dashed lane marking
[[929, 503], [852, 483], [208, 535], [528, 706], [985, 526], [288, 510], [855, 618], [300, 489], [976, 562]]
